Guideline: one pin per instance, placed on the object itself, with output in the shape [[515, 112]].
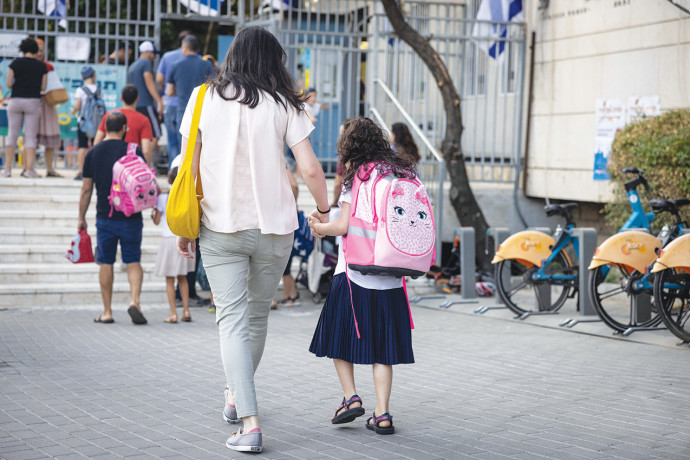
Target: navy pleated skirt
[[383, 318]]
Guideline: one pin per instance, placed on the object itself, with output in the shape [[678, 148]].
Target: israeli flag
[[203, 7], [54, 8], [498, 11]]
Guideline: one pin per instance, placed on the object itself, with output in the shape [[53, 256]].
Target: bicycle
[[621, 284], [534, 260], [672, 283]]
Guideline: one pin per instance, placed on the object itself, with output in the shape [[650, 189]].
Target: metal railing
[[431, 167]]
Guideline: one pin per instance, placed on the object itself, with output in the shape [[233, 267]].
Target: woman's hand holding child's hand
[[313, 222]]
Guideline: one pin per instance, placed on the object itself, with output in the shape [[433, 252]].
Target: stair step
[[36, 294], [63, 235], [54, 253], [63, 272]]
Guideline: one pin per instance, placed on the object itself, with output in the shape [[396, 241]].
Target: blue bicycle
[[532, 264]]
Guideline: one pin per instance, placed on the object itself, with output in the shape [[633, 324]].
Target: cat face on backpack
[[410, 225]]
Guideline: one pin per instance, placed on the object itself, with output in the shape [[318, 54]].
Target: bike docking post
[[587, 239], [467, 249], [499, 235], [543, 291]]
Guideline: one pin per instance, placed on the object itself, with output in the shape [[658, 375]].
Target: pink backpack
[[134, 185], [392, 230]]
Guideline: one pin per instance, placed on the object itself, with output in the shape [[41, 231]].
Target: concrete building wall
[[594, 49]]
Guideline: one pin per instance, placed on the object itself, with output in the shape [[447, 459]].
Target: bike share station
[[587, 241]]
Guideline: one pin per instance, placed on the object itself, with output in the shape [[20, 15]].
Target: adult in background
[[111, 229], [172, 123], [48, 127], [27, 76], [138, 126], [140, 74], [121, 54], [188, 73], [250, 111], [401, 138]]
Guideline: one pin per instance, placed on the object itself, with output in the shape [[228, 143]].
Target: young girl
[[379, 302], [169, 262]]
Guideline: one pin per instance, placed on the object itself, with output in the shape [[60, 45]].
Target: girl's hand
[[313, 222], [184, 245]]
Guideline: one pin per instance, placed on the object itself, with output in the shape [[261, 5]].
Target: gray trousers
[[243, 269]]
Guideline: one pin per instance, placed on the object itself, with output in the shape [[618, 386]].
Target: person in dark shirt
[[27, 76], [98, 171], [186, 74]]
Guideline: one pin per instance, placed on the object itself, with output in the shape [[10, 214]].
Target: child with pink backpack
[[388, 226]]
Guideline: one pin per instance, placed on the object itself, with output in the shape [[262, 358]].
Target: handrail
[[379, 118], [438, 207], [408, 118]]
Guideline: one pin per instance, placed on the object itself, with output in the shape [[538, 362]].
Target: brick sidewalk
[[482, 387]]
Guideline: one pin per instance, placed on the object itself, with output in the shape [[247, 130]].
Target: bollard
[[587, 242], [499, 235]]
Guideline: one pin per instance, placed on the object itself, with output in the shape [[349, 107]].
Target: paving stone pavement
[[483, 386]]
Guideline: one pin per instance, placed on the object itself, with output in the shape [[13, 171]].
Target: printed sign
[[9, 44], [640, 108], [610, 117], [72, 48]]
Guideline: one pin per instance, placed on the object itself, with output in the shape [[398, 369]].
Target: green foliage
[[660, 147]]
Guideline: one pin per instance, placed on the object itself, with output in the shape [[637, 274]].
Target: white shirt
[[313, 109], [242, 166], [161, 202], [366, 281], [81, 94]]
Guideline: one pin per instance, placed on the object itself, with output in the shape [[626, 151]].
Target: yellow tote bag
[[183, 211]]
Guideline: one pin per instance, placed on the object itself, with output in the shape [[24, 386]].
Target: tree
[[461, 196]]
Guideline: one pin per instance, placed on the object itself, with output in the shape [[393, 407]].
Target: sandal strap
[[383, 417], [346, 403]]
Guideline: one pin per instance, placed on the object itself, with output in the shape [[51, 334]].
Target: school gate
[[345, 49]]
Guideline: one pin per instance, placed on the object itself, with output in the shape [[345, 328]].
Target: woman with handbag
[[48, 127], [27, 78], [251, 110]]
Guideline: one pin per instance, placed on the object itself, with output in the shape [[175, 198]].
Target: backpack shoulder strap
[[88, 92], [131, 149]]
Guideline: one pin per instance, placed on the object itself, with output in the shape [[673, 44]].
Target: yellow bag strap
[[191, 143]]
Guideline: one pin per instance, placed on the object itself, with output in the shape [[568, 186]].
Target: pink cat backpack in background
[[134, 185], [392, 230]]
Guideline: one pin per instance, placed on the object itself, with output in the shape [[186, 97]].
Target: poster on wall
[[110, 79], [640, 108], [610, 117]]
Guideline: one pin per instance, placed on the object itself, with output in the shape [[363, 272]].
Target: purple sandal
[[348, 415], [373, 424]]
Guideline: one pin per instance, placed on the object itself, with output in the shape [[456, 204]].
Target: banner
[[72, 47], [610, 118], [110, 79], [9, 46], [640, 108]]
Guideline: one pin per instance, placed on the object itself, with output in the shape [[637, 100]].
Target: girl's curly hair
[[363, 142]]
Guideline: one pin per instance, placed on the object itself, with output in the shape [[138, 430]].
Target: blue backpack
[[304, 240], [92, 113]]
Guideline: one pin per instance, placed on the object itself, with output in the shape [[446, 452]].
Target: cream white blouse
[[242, 166]]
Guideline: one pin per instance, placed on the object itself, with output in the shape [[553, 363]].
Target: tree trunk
[[461, 196]]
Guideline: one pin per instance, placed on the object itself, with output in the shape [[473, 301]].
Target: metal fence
[[340, 48], [491, 90]]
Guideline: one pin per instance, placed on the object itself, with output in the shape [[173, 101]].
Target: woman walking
[[251, 110], [27, 76]]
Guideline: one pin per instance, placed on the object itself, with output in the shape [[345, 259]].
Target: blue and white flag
[[203, 7], [54, 8], [497, 11]]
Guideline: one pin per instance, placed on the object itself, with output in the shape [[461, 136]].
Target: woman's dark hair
[[28, 45], [403, 141], [256, 62], [363, 142]]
